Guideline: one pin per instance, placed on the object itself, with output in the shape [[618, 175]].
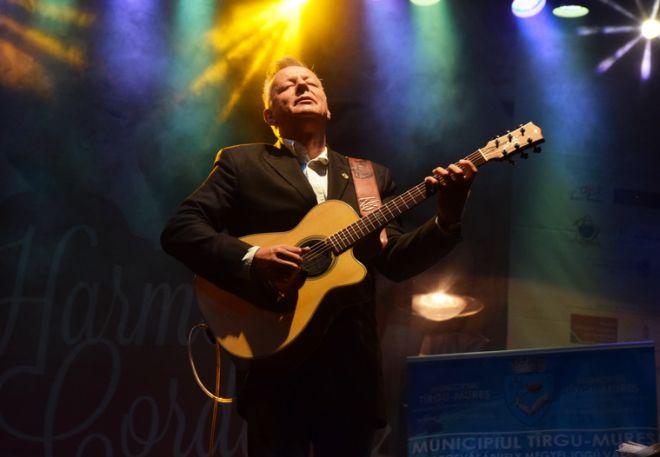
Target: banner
[[575, 402]]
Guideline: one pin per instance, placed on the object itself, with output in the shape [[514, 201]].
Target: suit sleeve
[[197, 233], [408, 254]]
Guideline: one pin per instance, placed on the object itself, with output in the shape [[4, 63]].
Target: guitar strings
[[323, 247], [407, 197]]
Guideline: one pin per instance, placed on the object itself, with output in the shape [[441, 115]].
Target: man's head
[[293, 97]]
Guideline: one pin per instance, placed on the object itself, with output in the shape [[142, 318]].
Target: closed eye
[[284, 87]]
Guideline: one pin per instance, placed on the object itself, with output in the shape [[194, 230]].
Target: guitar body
[[249, 331]]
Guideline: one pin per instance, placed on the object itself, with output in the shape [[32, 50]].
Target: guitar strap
[[366, 189]]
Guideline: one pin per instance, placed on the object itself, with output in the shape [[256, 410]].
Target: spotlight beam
[[256, 64], [254, 35], [641, 9], [607, 30], [50, 45], [59, 13], [19, 70], [248, 42], [645, 70], [654, 13], [623, 50], [620, 9], [235, 34]]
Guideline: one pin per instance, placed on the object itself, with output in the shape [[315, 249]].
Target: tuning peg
[[522, 130], [506, 156], [537, 149]]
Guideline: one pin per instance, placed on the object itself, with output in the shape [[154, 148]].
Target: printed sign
[[574, 402]]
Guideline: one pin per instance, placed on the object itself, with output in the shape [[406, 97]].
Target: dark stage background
[[112, 112]]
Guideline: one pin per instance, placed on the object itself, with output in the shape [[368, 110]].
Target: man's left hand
[[453, 190]]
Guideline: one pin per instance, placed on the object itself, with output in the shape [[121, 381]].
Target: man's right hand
[[278, 265]]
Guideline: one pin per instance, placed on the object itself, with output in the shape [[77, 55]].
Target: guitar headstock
[[525, 137]]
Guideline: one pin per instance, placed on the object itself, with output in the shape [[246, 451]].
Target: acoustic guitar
[[255, 322]]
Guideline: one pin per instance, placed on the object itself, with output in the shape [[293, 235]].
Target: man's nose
[[301, 87]]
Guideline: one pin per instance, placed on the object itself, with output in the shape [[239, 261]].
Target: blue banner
[[574, 402]]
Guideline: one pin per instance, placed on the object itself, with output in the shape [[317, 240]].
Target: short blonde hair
[[278, 65]]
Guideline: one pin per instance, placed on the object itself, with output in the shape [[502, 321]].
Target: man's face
[[296, 92]]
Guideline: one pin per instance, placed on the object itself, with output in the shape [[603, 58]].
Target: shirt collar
[[300, 152]]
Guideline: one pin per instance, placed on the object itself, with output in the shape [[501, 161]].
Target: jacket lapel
[[288, 167], [339, 174]]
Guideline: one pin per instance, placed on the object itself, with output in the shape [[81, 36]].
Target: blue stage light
[[527, 8]]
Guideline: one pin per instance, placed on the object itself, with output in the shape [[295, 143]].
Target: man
[[332, 400]]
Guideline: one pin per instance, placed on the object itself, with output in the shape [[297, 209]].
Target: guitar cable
[[198, 380], [215, 396]]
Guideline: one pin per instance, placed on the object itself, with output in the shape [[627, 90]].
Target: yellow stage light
[[441, 306], [292, 6], [19, 70], [48, 44], [251, 37]]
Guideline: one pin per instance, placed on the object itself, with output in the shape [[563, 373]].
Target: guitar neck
[[357, 231], [500, 147]]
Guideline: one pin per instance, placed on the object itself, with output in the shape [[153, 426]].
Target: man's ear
[[268, 116]]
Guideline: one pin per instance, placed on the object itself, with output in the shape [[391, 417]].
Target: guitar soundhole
[[318, 260]]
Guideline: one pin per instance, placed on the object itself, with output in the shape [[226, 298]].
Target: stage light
[[254, 35], [33, 37], [71, 54], [21, 71], [424, 2], [440, 306], [527, 8], [570, 11], [292, 6], [645, 26], [60, 13], [650, 29]]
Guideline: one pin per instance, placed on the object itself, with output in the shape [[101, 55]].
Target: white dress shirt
[[316, 170]]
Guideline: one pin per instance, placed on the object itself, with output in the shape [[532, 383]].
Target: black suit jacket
[[259, 188]]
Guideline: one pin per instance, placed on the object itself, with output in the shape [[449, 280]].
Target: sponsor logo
[[528, 390]]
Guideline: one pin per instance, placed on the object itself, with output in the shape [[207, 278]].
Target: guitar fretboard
[[389, 211]]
